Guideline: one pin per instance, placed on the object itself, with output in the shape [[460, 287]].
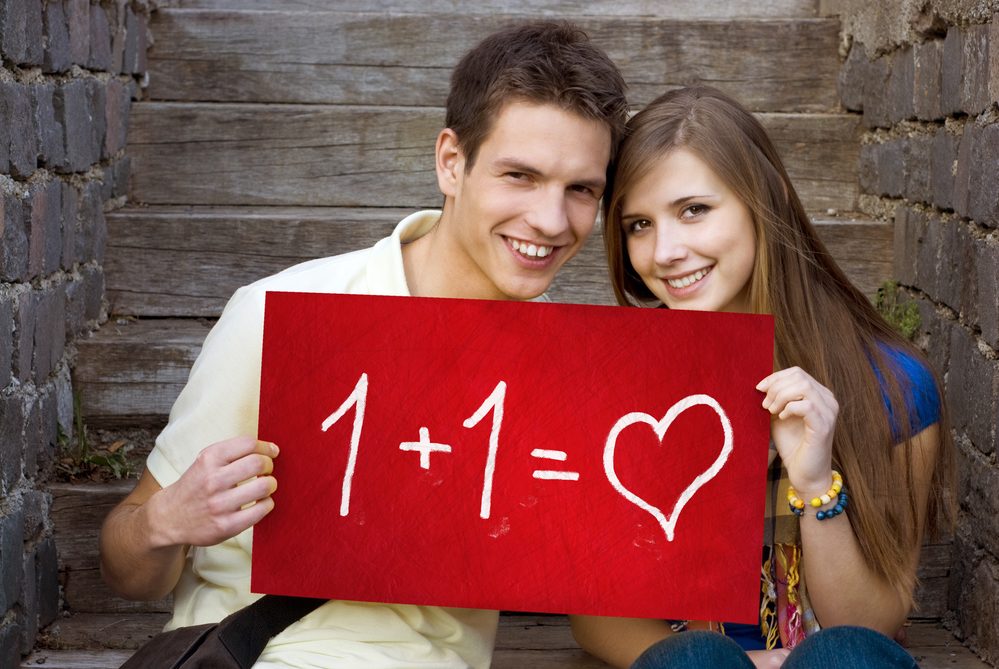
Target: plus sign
[[424, 447]]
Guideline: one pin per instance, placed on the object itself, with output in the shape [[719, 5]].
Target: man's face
[[527, 204]]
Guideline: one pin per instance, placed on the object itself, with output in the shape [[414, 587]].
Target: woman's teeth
[[531, 250], [685, 281]]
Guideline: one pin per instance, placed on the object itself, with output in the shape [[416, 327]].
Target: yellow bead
[[798, 504], [816, 502]]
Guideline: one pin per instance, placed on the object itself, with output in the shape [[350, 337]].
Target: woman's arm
[[842, 589]]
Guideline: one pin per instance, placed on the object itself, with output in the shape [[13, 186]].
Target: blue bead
[[821, 515]]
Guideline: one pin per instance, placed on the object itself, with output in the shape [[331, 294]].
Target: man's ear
[[450, 162]]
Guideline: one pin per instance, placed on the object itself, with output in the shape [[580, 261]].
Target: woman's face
[[691, 240]]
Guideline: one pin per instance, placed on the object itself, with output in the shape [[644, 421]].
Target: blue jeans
[[855, 647]]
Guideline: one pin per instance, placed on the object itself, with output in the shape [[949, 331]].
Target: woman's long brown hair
[[823, 324]]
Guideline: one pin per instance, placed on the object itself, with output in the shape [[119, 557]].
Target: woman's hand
[[803, 422], [768, 659]]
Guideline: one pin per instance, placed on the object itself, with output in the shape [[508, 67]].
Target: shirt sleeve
[[221, 397]]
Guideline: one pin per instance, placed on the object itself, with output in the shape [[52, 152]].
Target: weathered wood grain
[[103, 630], [933, 646], [552, 8], [165, 261], [344, 156], [129, 374], [778, 64]]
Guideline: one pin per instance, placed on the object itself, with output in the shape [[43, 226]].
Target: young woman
[[701, 215]]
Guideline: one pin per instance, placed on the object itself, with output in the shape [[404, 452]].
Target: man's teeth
[[685, 281], [531, 250]]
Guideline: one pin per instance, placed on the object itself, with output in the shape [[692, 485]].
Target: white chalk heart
[[660, 427]]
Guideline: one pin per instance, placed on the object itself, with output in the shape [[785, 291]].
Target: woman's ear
[[449, 162]]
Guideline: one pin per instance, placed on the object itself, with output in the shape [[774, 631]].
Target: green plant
[[903, 316], [80, 459]]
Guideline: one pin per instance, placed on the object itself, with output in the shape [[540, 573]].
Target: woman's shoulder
[[917, 385]]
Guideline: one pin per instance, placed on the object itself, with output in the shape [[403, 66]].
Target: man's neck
[[435, 265]]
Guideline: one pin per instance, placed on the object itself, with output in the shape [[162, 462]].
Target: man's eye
[[585, 190], [517, 176]]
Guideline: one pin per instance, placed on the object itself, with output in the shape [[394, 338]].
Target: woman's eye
[[638, 226], [694, 210]]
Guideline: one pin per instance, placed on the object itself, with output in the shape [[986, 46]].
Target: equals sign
[[548, 474]]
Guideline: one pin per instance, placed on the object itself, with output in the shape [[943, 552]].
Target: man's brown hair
[[545, 62]]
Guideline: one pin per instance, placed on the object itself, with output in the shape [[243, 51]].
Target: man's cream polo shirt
[[219, 402]]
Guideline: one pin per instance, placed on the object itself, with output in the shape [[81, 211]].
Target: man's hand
[[227, 490]]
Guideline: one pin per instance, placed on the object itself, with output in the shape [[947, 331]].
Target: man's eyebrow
[[516, 165]]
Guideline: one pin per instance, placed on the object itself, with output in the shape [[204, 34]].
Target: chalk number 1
[[358, 398]]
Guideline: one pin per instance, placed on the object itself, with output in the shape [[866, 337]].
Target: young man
[[533, 117]]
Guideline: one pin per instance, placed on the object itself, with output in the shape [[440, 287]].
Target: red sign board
[[514, 456]]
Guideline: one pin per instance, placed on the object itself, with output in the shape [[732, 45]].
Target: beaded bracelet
[[835, 492]]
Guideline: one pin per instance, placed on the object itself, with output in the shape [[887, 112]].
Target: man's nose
[[549, 216]]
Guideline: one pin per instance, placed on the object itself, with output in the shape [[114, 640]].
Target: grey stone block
[[78, 19], [93, 283], [927, 61], [130, 58], [891, 168], [852, 77], [965, 168], [983, 184], [900, 86], [993, 86], [975, 73], [47, 585], [11, 440], [50, 332], [917, 155], [119, 103], [28, 614], [14, 247], [32, 436], [100, 40], [97, 102], [11, 550], [6, 337], [120, 172], [926, 260], [972, 388], [868, 168], [92, 239], [951, 81], [22, 148], [981, 617], [49, 132], [943, 160], [876, 103], [24, 331], [35, 504], [10, 645], [987, 275], [70, 205], [63, 389], [955, 258], [44, 228], [21, 31], [48, 425], [73, 109], [905, 241], [57, 54]]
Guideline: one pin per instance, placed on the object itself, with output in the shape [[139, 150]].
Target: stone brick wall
[[69, 71], [925, 75]]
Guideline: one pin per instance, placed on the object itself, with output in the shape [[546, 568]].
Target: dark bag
[[235, 642]]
